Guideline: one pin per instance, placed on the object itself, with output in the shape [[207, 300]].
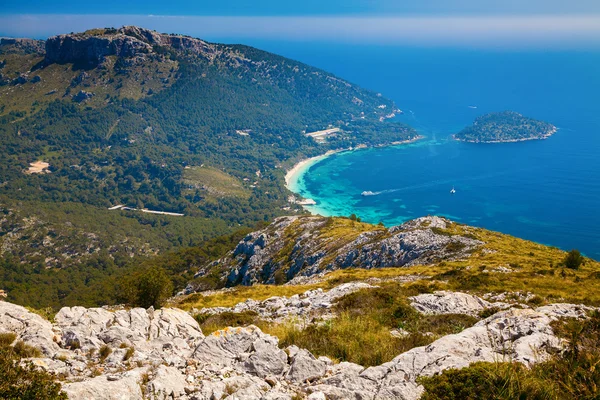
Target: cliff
[[91, 48]]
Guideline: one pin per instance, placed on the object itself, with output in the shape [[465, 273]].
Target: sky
[[301, 7], [472, 23]]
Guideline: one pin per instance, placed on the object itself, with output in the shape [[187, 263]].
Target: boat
[[368, 193], [453, 190]]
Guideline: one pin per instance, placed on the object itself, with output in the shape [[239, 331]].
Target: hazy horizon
[[546, 24]]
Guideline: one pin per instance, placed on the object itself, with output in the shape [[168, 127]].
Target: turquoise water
[[544, 190]]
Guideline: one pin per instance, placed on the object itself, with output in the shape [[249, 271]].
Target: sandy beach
[[298, 169]]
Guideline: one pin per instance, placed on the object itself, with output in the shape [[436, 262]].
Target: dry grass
[[213, 322], [240, 294], [214, 182], [535, 268]]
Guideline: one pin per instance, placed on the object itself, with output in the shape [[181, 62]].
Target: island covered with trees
[[506, 126]]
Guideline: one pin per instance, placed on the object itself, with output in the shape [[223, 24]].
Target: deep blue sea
[[543, 190]]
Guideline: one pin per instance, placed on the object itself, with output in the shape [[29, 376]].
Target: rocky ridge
[[25, 44], [312, 303], [91, 48], [137, 353], [305, 246]]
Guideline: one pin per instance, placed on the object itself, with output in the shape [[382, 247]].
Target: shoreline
[[300, 167]]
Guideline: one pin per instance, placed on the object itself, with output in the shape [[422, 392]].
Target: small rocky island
[[506, 126]]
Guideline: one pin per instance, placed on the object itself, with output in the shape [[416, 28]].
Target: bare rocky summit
[[93, 47]]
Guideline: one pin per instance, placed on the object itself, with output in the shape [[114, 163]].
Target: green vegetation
[[572, 374], [574, 259], [214, 182], [507, 126], [23, 381], [147, 288], [104, 352], [214, 322], [130, 144], [97, 280]]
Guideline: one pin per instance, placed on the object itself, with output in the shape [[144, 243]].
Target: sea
[[547, 191]]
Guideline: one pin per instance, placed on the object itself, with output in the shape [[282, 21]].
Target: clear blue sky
[[300, 7]]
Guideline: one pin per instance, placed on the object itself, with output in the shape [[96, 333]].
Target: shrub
[[455, 246], [488, 312], [104, 352], [573, 259], [23, 380], [148, 288], [279, 277], [361, 332], [23, 350], [358, 339], [129, 353], [6, 339], [213, 322], [483, 381], [572, 374]]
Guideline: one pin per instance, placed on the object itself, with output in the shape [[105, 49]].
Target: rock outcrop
[[23, 44], [172, 359], [129, 41], [29, 327], [444, 302], [305, 246], [311, 303]]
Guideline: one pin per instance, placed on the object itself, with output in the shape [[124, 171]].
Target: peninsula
[[506, 126]]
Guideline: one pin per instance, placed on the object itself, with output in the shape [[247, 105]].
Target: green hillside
[[127, 117]]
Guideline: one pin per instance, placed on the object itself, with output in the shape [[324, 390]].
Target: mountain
[[162, 123], [506, 126]]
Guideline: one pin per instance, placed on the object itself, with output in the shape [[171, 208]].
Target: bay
[[543, 190]]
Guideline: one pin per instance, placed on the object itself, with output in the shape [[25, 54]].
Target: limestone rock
[[173, 360], [24, 44], [221, 348], [267, 359], [305, 367], [127, 42], [308, 304], [166, 335], [126, 386], [520, 335], [82, 96], [29, 327], [167, 383], [444, 302]]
